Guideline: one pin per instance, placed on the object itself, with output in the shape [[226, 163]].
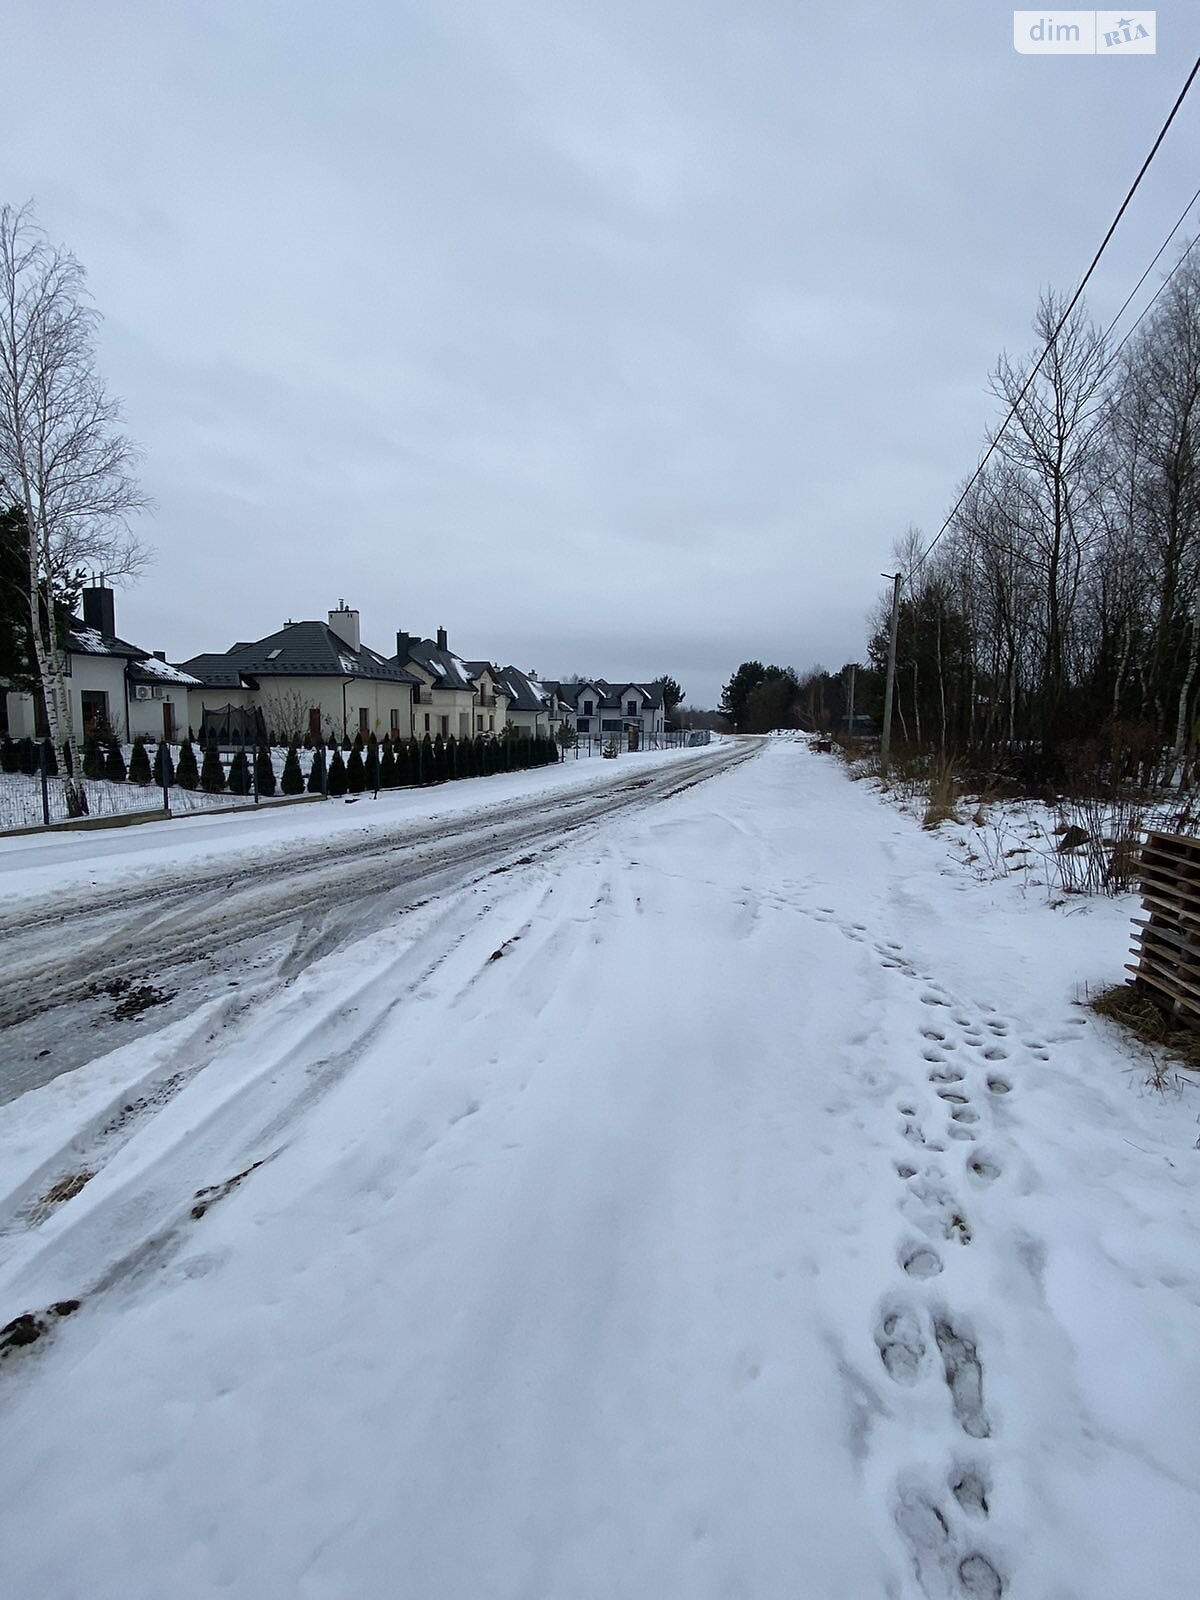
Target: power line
[[1125, 305], [1074, 301]]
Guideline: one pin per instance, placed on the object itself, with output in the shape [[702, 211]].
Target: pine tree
[[264, 770], [308, 740], [452, 758], [239, 772], [371, 763], [139, 763], [292, 781], [427, 770], [8, 755], [212, 773], [27, 757], [439, 760], [316, 772], [356, 772], [164, 767], [337, 775], [187, 774], [332, 743], [114, 762], [346, 745]]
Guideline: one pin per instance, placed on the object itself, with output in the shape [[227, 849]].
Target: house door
[[168, 722], [314, 724]]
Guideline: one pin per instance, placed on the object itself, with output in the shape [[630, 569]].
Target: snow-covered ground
[[731, 1201]]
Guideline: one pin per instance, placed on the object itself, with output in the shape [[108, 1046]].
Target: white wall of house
[[372, 705], [164, 713], [94, 682]]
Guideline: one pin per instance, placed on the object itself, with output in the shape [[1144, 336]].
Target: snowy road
[[285, 874], [732, 1202]]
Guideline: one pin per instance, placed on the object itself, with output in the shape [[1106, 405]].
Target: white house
[[113, 686], [463, 698], [597, 709], [313, 678]]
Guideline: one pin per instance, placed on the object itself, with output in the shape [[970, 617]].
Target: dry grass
[[943, 792], [1142, 1016]]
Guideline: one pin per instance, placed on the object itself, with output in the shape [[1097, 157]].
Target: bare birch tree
[[64, 464]]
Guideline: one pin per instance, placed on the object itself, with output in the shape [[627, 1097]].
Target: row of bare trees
[[1061, 606]]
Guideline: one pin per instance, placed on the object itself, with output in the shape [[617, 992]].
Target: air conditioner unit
[[143, 691], [159, 691]]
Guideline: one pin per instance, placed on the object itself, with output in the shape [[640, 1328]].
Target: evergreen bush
[[238, 781], [264, 770], [212, 773], [316, 772], [389, 775], [93, 755], [114, 762], [164, 766], [292, 779], [439, 760], [47, 759], [337, 775], [139, 763], [427, 770], [8, 755], [187, 774], [356, 772], [371, 763]]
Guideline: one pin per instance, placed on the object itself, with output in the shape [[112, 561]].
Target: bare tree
[[63, 463]]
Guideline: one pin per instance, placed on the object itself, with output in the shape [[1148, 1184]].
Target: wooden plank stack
[[1168, 941]]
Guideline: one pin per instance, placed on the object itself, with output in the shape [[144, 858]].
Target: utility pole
[[890, 688], [850, 709]]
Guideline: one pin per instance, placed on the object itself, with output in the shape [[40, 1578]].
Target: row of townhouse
[[318, 678]]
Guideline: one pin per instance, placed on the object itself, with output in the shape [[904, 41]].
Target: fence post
[[45, 783], [162, 763]]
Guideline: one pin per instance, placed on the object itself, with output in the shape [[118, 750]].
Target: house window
[[585, 725], [479, 722], [631, 709], [610, 725], [427, 722], [395, 720], [445, 727], [491, 724], [588, 707], [168, 722], [314, 722], [364, 720]]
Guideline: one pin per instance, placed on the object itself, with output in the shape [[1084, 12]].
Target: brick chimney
[[404, 644], [99, 611], [442, 645], [344, 622]]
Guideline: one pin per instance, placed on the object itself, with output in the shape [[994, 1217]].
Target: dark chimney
[[404, 643], [159, 655], [442, 645], [98, 609]]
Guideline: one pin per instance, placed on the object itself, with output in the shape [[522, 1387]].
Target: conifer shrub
[[356, 771], [388, 769], [187, 774], [164, 766], [337, 775], [264, 770], [427, 769], [114, 762], [212, 773], [439, 760], [308, 739], [93, 755], [346, 745], [8, 755], [331, 743], [316, 772], [452, 758], [292, 779], [139, 763], [371, 762], [238, 781]]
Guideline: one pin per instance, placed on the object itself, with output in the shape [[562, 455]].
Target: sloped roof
[[448, 670], [151, 670], [299, 650], [611, 693], [523, 694], [85, 641]]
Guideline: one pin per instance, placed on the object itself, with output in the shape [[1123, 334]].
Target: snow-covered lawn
[[732, 1202]]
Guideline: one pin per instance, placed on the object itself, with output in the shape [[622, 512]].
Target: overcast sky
[[616, 336]]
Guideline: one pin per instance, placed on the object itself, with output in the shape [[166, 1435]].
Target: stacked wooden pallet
[[1167, 944]]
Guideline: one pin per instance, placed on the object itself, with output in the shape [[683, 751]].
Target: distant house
[[597, 708], [114, 686], [463, 698], [531, 706], [313, 678]]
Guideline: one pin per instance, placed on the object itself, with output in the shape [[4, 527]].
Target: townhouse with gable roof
[[463, 698], [313, 678], [597, 709]]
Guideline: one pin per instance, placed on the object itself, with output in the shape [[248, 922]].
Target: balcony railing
[[485, 699]]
